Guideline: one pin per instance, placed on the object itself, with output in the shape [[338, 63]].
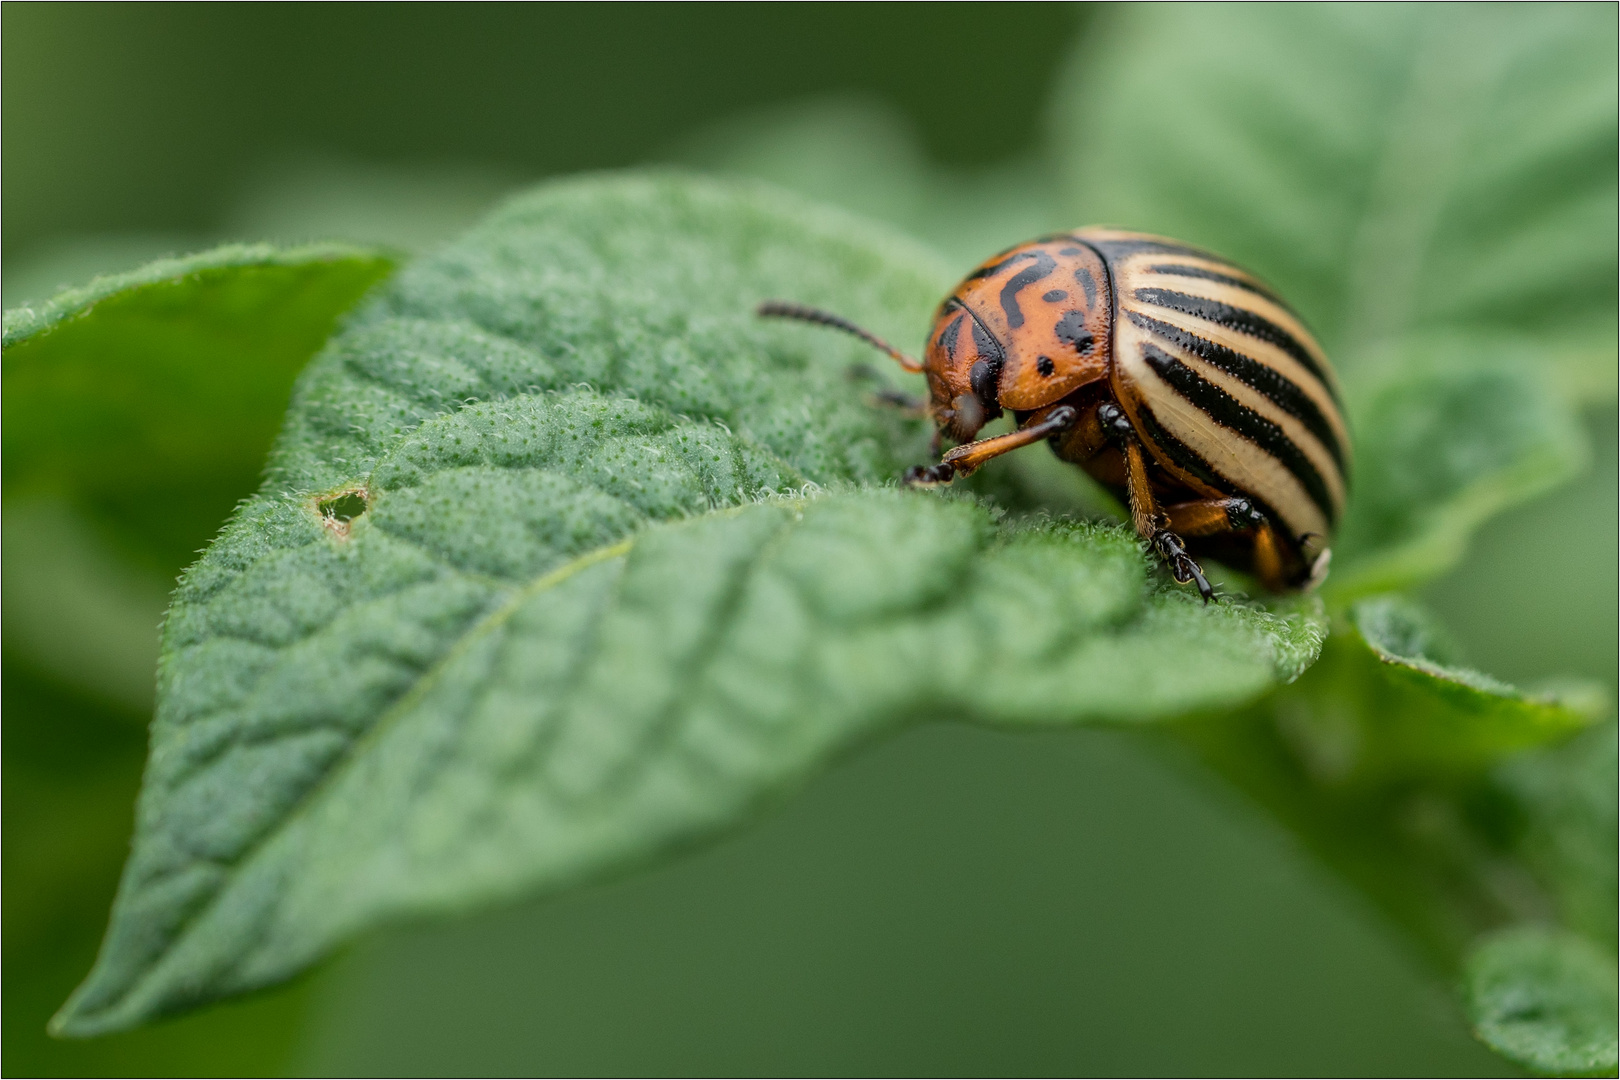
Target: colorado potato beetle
[[1179, 381]]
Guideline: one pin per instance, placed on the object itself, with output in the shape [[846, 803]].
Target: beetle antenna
[[787, 309]]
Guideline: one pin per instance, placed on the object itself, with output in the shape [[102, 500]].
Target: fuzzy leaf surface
[[1545, 1000], [566, 559], [151, 398]]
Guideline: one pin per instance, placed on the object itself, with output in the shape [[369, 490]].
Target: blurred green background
[[957, 901]]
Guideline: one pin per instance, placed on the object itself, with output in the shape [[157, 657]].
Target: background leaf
[[149, 398], [1545, 1000], [1425, 186], [499, 673], [1563, 826], [1387, 762], [1405, 172], [1443, 445]]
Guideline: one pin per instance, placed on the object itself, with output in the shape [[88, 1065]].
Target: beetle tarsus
[[1183, 567], [929, 475]]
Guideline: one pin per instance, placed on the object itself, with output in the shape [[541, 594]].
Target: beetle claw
[[1196, 573], [1183, 567]]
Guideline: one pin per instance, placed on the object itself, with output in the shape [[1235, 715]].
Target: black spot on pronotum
[[1045, 366], [1044, 264], [1054, 296], [1071, 330], [1088, 283], [339, 509]]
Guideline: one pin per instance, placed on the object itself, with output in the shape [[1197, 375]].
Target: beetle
[[1179, 381]]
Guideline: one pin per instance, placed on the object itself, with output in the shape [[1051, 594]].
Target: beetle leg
[[1183, 567], [1210, 517], [1268, 559], [966, 458], [1154, 525]]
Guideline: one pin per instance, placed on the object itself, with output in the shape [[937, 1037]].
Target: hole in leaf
[[339, 509]]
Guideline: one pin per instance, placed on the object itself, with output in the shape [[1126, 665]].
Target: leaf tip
[[1545, 999]]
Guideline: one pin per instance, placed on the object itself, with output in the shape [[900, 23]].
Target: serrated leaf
[[1544, 999], [152, 397], [567, 559], [1398, 172]]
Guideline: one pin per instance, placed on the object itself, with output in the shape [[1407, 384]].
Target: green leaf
[[1381, 758], [1430, 187], [1399, 173], [1476, 716], [1442, 445], [566, 559], [71, 771], [1566, 827], [1544, 999], [151, 397]]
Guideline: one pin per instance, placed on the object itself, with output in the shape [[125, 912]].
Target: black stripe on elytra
[[1180, 270], [1029, 275], [1238, 418], [1235, 318], [1180, 453], [947, 339], [1251, 372]]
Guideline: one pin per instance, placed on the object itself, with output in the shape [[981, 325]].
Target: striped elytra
[[1178, 380]]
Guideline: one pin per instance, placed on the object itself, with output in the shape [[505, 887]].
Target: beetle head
[[964, 363], [1026, 329]]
